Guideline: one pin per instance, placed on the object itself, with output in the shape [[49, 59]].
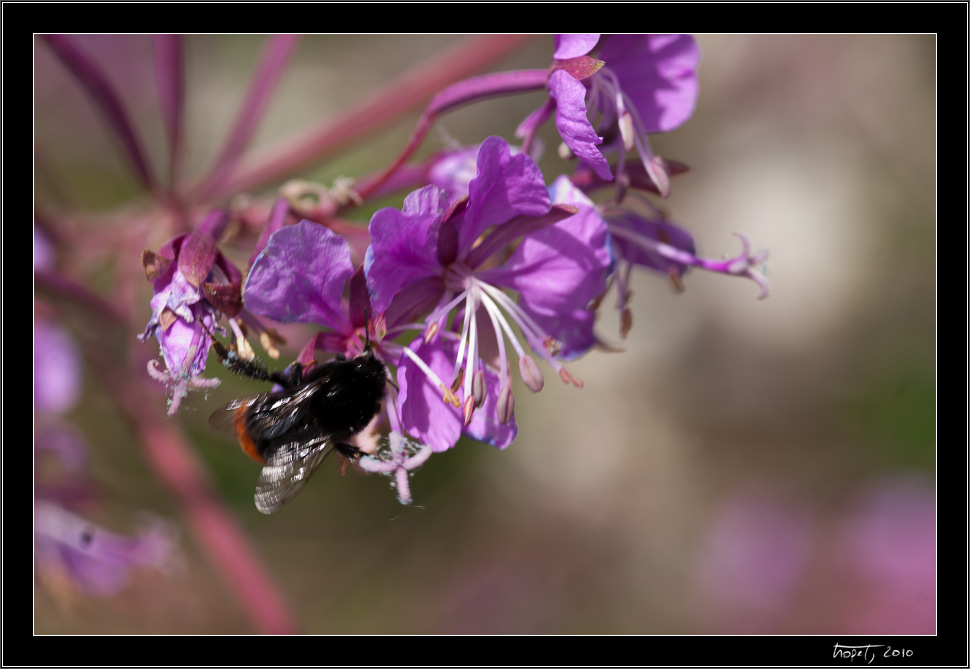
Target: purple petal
[[196, 257], [424, 415], [574, 126], [505, 186], [185, 345], [558, 271], [658, 73], [485, 425], [277, 219], [300, 276], [403, 248], [573, 46], [433, 422]]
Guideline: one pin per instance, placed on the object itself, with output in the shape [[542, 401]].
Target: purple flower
[[94, 559], [642, 84], [658, 245], [455, 259], [886, 552], [756, 553], [452, 171], [57, 371], [193, 284]]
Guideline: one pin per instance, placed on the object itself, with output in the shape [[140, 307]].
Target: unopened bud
[[531, 374], [626, 322], [657, 171], [626, 130]]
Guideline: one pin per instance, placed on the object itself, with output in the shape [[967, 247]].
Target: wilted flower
[[193, 285]]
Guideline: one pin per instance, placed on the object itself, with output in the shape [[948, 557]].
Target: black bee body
[[290, 431]]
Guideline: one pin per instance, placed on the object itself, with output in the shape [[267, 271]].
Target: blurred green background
[[742, 466]]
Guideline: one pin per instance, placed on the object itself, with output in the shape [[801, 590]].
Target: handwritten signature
[[868, 652]]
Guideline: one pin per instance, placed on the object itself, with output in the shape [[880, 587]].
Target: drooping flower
[[638, 84], [456, 259], [193, 285], [659, 245]]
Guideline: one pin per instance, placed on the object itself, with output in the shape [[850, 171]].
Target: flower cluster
[[488, 267]]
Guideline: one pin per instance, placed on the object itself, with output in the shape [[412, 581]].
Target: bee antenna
[[212, 336], [366, 328]]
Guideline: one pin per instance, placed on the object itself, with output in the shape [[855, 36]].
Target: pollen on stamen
[[506, 405], [626, 130], [380, 327], [243, 349], [468, 408], [479, 388], [459, 379], [431, 332], [449, 396], [266, 341], [531, 374]]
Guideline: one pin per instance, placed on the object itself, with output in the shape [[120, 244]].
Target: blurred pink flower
[[753, 559], [886, 552]]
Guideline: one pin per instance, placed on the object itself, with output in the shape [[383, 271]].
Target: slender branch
[[389, 103], [274, 59], [106, 99]]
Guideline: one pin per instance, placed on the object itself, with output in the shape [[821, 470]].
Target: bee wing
[[287, 470], [269, 415], [223, 417]]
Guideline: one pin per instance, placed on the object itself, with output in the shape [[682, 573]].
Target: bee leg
[[291, 377], [232, 361], [350, 452]]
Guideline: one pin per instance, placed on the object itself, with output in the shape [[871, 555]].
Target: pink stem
[[389, 103]]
